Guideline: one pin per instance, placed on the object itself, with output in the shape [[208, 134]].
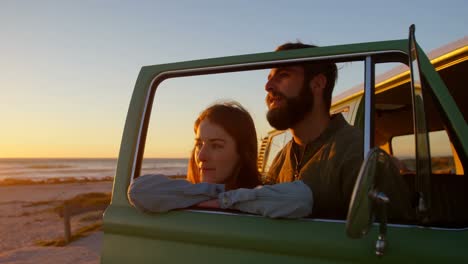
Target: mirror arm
[[382, 200]]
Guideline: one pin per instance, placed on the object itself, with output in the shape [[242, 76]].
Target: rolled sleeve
[[284, 200], [158, 193]]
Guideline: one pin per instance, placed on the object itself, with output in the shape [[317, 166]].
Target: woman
[[222, 172], [225, 150]]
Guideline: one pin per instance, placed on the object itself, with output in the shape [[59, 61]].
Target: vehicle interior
[[394, 134]]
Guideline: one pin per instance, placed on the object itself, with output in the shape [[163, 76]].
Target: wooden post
[[66, 222]]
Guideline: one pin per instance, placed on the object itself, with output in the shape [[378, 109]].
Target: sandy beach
[[29, 219]]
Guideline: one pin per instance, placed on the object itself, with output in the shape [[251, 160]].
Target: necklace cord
[[296, 149]]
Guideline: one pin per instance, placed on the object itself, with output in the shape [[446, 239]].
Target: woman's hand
[[209, 204]]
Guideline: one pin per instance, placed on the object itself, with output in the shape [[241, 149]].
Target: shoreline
[[50, 192], [10, 181]]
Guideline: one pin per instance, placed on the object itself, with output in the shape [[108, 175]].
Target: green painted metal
[[192, 237], [177, 235]]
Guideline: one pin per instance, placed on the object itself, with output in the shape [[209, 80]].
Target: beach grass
[[81, 203], [92, 217], [87, 200], [39, 203], [81, 232]]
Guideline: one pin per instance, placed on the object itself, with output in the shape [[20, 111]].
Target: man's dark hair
[[313, 68]]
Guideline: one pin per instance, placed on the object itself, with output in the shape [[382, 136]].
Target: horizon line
[[88, 157]]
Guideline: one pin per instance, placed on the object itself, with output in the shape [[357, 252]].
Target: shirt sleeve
[[158, 193], [284, 200]]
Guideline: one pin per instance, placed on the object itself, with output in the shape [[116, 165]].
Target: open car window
[[179, 101]]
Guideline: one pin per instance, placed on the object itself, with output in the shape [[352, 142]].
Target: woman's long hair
[[238, 123]]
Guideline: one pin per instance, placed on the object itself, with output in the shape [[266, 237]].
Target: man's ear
[[318, 83]]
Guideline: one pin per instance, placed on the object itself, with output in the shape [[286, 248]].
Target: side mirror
[[360, 209], [367, 199]]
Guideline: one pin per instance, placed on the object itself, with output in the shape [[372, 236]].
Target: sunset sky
[[68, 68]]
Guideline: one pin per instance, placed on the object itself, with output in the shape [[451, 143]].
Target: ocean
[[42, 169]]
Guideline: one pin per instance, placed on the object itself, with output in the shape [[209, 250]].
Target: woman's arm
[[158, 193]]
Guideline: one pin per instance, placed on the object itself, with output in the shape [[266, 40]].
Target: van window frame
[[378, 56]]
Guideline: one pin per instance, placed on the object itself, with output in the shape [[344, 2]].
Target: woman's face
[[215, 153]]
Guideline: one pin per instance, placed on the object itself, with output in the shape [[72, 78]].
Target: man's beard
[[293, 111]]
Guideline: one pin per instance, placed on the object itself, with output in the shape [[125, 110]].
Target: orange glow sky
[[68, 68]]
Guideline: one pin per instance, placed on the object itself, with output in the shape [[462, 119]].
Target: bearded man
[[326, 152]]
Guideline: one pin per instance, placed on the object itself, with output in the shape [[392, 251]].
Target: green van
[[425, 95]]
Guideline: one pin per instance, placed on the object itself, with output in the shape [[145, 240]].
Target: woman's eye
[[217, 146]]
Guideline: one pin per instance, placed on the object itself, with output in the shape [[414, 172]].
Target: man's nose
[[269, 86]]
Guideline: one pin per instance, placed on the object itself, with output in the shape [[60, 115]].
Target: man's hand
[[209, 204]]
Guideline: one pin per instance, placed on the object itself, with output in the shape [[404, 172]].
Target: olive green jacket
[[330, 167]]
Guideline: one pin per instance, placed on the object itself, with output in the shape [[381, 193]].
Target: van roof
[[435, 56]]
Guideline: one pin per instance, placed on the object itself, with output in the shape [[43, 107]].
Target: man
[[326, 152]]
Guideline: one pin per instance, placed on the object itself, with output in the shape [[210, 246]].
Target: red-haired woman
[[222, 172]]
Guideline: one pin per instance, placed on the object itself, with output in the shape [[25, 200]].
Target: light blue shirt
[[158, 193]]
